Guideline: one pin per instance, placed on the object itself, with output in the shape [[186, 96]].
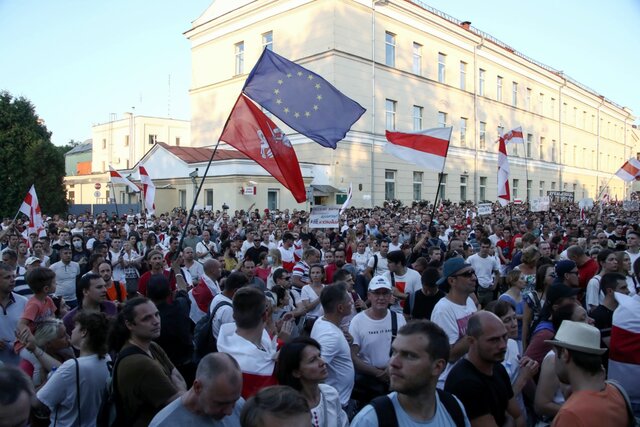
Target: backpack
[[110, 412], [203, 339], [386, 412]]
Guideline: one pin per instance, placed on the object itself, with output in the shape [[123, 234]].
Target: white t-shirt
[[360, 261], [308, 294], [337, 354], [374, 337], [484, 268], [382, 266], [61, 396], [223, 315], [196, 270], [593, 295], [408, 283], [453, 319], [66, 279]]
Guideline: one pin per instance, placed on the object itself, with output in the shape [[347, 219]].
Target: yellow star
[[299, 73], [278, 101], [296, 114], [319, 97], [286, 110], [315, 108], [317, 85], [289, 75], [276, 91], [307, 114], [280, 82], [310, 77]]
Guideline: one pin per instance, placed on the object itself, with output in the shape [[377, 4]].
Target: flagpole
[[204, 176], [607, 185], [115, 201]]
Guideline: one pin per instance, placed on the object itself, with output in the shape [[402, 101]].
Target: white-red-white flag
[[148, 190], [630, 170], [624, 347], [427, 148], [346, 203], [514, 136], [31, 208], [504, 193], [116, 178]]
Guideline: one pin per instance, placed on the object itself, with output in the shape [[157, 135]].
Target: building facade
[[413, 67]]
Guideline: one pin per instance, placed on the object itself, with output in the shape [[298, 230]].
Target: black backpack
[[203, 339], [386, 412]]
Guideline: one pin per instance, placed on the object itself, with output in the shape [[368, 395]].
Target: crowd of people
[[404, 315]]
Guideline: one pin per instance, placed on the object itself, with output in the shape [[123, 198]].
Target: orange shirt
[[593, 408], [112, 295]]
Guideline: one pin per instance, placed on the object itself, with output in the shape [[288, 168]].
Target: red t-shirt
[[586, 271], [144, 281], [506, 248]]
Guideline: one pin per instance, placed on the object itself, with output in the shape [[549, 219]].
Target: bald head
[[212, 268], [216, 365], [480, 322]]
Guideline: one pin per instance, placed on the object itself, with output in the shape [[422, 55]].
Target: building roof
[[191, 155], [81, 148]]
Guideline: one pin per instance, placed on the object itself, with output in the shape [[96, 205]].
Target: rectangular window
[[515, 185], [481, 74], [390, 114], [153, 139], [390, 49], [541, 189], [541, 148], [553, 108], [483, 135], [239, 51], [71, 196], [575, 116], [267, 41], [177, 141], [417, 185], [463, 75], [584, 157], [417, 58], [463, 187], [273, 199], [104, 144], [442, 63], [553, 150], [483, 188], [417, 117], [564, 112], [442, 119], [463, 131], [529, 185], [389, 184], [208, 197], [565, 154], [126, 140], [528, 99], [553, 185], [499, 88], [443, 186], [584, 120], [514, 94], [541, 104], [529, 143], [182, 198]]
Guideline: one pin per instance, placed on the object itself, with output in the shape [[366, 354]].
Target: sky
[[81, 61]]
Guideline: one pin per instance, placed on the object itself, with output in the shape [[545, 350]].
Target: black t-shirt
[[422, 304], [175, 329], [479, 393]]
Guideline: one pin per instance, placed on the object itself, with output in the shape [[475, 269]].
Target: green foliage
[[28, 157]]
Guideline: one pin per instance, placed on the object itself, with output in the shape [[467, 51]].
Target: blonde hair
[[47, 331]]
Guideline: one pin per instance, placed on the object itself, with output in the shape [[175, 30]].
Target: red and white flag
[[514, 136], [250, 131], [624, 347], [504, 194], [31, 208], [148, 190], [630, 170], [116, 178], [427, 148]]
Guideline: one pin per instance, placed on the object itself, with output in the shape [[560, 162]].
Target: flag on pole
[[624, 347], [427, 148], [346, 203], [148, 190], [31, 208], [302, 99], [251, 132], [514, 136], [630, 170], [504, 194], [116, 178]]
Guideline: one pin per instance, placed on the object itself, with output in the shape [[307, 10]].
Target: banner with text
[[540, 204], [324, 217], [484, 209]]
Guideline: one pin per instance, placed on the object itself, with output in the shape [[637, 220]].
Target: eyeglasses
[[469, 273]]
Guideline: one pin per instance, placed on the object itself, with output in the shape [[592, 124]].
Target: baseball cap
[[564, 267], [31, 260], [379, 282], [451, 267], [558, 291]]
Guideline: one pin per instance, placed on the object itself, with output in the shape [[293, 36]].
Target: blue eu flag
[[302, 99]]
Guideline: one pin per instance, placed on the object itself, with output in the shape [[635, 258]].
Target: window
[[442, 62], [553, 185], [417, 117], [182, 198], [499, 88], [481, 74], [483, 135], [575, 116], [417, 58], [273, 196], [442, 177], [104, 144], [390, 114], [463, 75], [208, 197], [541, 104], [527, 99], [239, 48], [564, 112], [126, 140], [389, 184], [417, 186], [529, 185], [71, 195], [515, 185], [541, 189], [584, 120], [267, 41], [529, 143], [575, 155], [442, 119], [483, 188], [463, 131], [153, 139], [584, 157], [541, 148], [390, 49], [463, 187], [514, 94], [177, 141], [593, 123], [553, 150]]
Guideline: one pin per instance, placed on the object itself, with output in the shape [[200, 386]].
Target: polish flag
[[31, 208], [427, 148], [630, 170], [624, 347], [148, 190], [116, 178], [504, 194], [514, 136]]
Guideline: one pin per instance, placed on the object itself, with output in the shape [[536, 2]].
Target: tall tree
[[27, 157]]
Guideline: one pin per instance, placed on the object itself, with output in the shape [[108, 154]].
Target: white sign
[[324, 217], [630, 205], [540, 204], [484, 209], [96, 194], [249, 191], [585, 204]]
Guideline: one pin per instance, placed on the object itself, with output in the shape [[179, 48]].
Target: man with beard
[[479, 380]]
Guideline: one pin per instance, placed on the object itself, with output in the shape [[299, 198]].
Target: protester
[[276, 406]]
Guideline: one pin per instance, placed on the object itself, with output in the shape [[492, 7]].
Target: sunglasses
[[469, 273]]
